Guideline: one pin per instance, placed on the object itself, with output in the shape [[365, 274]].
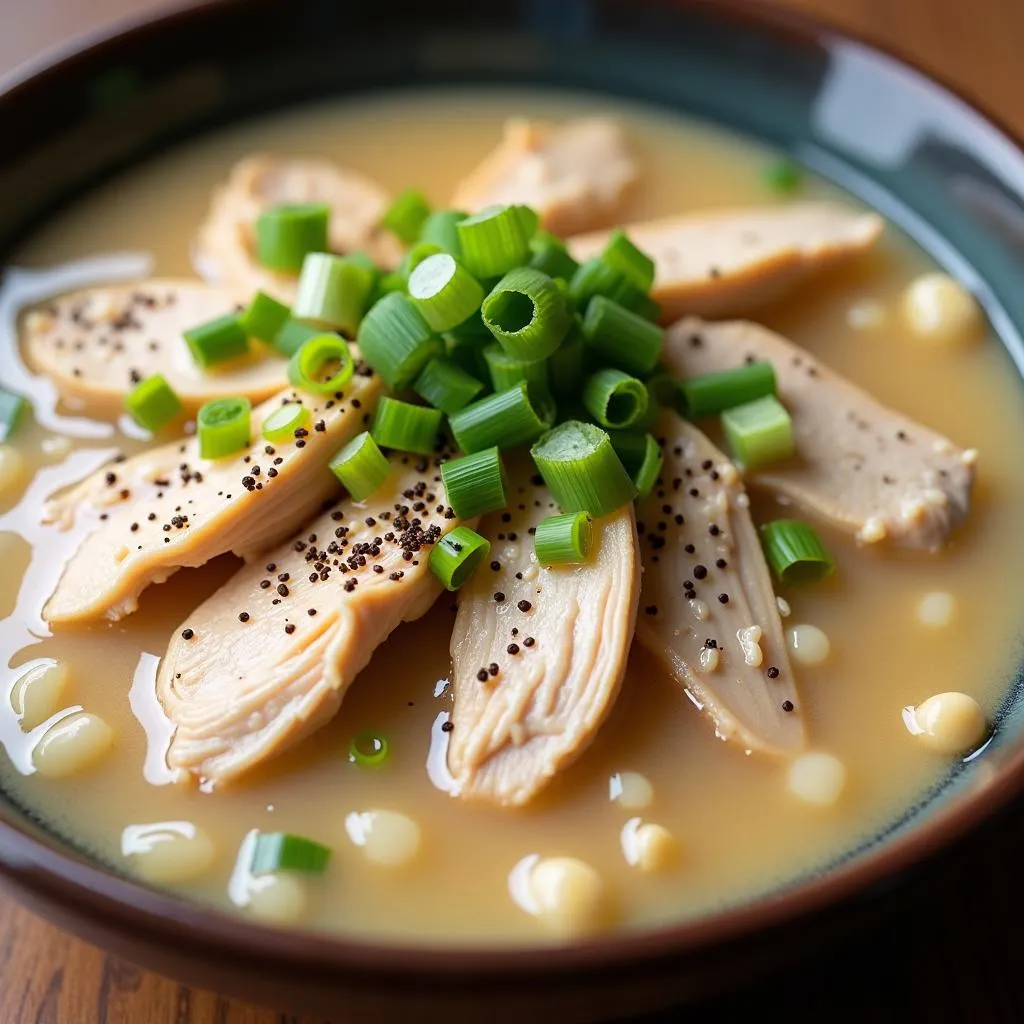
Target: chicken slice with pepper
[[707, 608], [539, 652], [858, 465], [168, 509], [98, 343], [268, 658], [723, 263]]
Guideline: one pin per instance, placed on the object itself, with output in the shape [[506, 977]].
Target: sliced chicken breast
[[538, 652], [268, 658], [98, 343], [727, 262], [225, 248], [574, 175], [707, 608], [168, 509], [858, 465]]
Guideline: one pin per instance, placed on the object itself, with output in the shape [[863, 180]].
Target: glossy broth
[[740, 831]]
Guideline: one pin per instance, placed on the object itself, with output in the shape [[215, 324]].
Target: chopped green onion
[[506, 371], [475, 484], [286, 233], [333, 292], [564, 539], [527, 313], [394, 281], [409, 428], [565, 366], [615, 399], [444, 291], [581, 469], [322, 366], [282, 851], [282, 423], [414, 257], [783, 177], [457, 555], [152, 403], [496, 240], [620, 337], [648, 309], [441, 228], [467, 352], [622, 255], [293, 335], [361, 466], [551, 257], [361, 258], [642, 457], [795, 552], [217, 341], [712, 393], [759, 432], [506, 419], [406, 215], [264, 318], [369, 750], [596, 277], [664, 388], [446, 386], [223, 427], [396, 341]]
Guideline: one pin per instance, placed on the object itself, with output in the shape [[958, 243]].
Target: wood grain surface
[[948, 956]]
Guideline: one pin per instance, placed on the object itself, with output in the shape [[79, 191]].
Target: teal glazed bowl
[[927, 159]]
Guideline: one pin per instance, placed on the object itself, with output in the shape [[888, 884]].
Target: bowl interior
[[883, 131]]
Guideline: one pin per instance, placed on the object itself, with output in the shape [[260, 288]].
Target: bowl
[[934, 165]]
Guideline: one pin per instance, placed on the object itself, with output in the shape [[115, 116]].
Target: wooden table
[[950, 957]]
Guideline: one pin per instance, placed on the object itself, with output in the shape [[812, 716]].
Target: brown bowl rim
[[58, 878]]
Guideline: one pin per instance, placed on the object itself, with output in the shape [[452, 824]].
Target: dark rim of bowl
[[88, 890]]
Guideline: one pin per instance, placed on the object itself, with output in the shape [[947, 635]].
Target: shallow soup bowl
[[933, 165]]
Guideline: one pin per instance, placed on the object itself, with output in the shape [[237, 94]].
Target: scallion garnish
[[286, 233], [369, 750], [564, 539], [759, 432], [550, 256], [467, 352], [663, 387], [457, 555], [620, 337], [217, 341], [406, 427], [293, 335], [444, 291], [614, 399], [333, 292], [527, 312], [406, 215], [223, 427], [414, 257], [322, 366], [783, 176], [642, 457], [496, 240], [361, 466], [596, 277], [565, 366], [795, 552], [282, 851], [441, 228], [581, 469], [506, 371], [622, 255], [264, 317], [152, 403], [396, 341], [712, 393], [506, 419], [475, 484], [282, 423], [446, 386], [648, 309]]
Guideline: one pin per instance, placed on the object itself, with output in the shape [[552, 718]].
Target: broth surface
[[739, 829]]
